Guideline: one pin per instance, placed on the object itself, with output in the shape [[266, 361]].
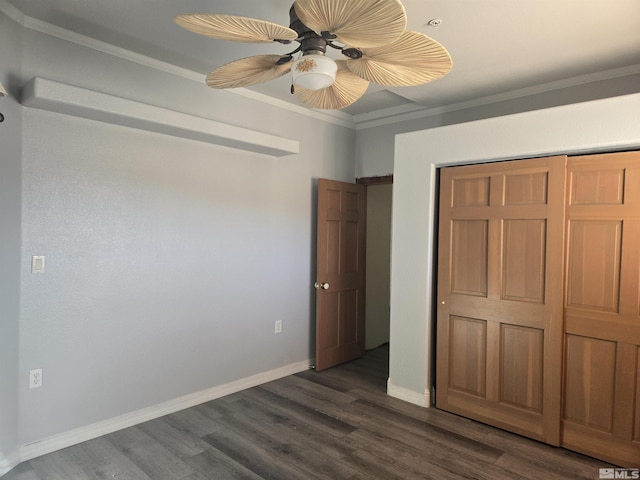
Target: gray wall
[[167, 260], [376, 140], [10, 154]]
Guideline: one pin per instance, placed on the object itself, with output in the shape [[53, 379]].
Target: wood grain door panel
[[522, 351], [602, 314], [524, 258], [590, 382], [499, 319], [340, 317], [468, 371], [469, 240], [538, 319]]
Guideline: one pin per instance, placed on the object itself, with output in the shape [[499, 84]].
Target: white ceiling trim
[[358, 122], [407, 112], [339, 118]]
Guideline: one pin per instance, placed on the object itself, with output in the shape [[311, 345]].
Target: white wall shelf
[[58, 97]]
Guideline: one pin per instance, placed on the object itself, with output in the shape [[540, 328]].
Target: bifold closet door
[[601, 412], [499, 299]]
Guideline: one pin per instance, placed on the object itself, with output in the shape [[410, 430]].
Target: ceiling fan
[[370, 34]]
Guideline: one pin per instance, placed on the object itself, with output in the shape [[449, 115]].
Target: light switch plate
[[37, 264]]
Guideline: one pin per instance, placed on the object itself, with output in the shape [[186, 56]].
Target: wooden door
[[499, 312], [340, 320], [601, 414]]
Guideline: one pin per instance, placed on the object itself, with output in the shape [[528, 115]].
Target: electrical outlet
[[278, 326], [35, 378]]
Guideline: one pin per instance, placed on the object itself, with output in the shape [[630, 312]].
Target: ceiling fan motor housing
[[310, 41]]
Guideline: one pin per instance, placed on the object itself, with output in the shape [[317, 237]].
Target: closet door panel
[[594, 264], [468, 366], [469, 257], [524, 256], [602, 318], [499, 329], [538, 302], [522, 367], [590, 382]]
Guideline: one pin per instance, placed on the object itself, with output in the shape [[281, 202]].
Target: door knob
[[323, 286]]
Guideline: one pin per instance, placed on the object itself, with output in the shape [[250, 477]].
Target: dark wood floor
[[336, 424]]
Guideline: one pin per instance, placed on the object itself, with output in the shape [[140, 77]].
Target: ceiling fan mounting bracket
[[310, 41], [296, 24]]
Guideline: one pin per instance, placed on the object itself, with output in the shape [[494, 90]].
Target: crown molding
[[338, 118], [363, 121], [108, 48], [410, 112]]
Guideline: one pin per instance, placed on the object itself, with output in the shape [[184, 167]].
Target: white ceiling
[[500, 48]]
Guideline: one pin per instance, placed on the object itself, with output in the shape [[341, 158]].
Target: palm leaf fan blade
[[361, 23], [231, 27], [247, 71], [345, 90], [411, 60]]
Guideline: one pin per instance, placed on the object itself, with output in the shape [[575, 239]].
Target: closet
[[538, 300]]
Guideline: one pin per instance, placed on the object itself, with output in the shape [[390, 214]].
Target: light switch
[[37, 264]]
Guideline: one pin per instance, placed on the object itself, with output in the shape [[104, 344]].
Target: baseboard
[[89, 432], [9, 462], [417, 398]]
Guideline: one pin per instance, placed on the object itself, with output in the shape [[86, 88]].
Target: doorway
[[378, 261], [344, 255]]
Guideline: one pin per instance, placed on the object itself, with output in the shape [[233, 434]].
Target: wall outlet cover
[[35, 378]]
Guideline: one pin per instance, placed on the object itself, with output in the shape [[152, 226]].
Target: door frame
[[366, 182], [373, 182]]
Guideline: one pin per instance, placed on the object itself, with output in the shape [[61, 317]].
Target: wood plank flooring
[[335, 424]]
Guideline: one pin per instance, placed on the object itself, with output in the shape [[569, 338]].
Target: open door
[[340, 281]]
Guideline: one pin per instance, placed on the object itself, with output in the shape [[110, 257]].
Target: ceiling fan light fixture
[[314, 71]]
